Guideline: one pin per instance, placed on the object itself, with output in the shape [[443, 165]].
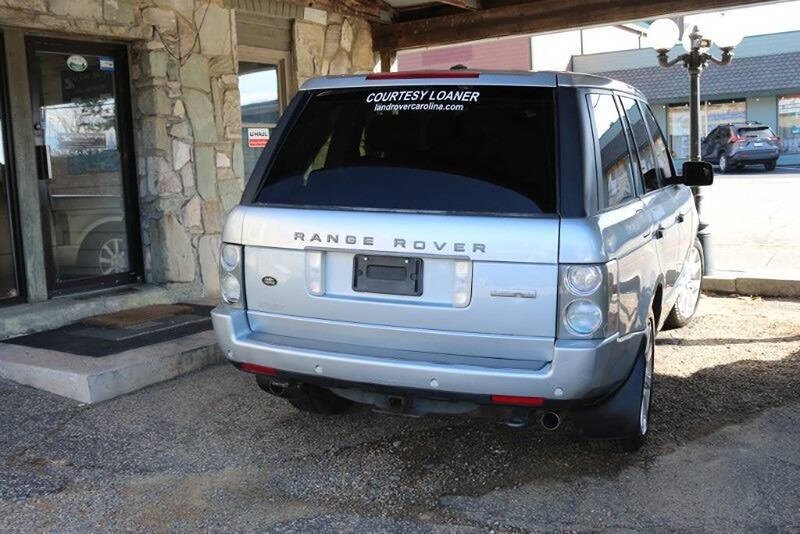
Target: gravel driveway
[[209, 451]]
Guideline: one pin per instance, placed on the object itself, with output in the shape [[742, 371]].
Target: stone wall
[[189, 158], [186, 113], [330, 43]]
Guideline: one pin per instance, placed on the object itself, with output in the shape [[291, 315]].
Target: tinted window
[[757, 132], [644, 149], [615, 159], [659, 146], [452, 149]]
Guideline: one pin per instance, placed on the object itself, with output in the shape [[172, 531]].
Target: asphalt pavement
[[210, 451], [755, 221]]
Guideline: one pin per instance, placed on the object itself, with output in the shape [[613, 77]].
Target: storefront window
[[712, 114], [789, 123]]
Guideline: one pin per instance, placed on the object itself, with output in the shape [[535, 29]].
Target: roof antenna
[[458, 67]]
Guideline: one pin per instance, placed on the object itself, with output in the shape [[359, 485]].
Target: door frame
[[18, 257], [125, 142]]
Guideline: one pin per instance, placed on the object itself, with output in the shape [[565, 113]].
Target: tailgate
[[513, 263]]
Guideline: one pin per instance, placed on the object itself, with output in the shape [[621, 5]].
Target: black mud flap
[[618, 415]]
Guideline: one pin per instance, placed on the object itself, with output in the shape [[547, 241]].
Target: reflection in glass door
[[261, 108], [88, 196]]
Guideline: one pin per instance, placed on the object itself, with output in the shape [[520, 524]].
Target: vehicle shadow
[[470, 457], [715, 341]]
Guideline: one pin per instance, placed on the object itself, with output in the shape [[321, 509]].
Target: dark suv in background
[[734, 145]]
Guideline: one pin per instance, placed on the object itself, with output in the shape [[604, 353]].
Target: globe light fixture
[[726, 34], [662, 35]]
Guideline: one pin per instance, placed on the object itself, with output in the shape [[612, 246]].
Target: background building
[[761, 84]]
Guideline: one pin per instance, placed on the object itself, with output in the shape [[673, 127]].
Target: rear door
[[387, 210], [663, 203], [709, 145]]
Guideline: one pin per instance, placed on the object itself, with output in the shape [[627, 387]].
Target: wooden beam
[[463, 4], [371, 10], [534, 16]]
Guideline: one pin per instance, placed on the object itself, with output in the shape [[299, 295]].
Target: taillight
[[588, 301], [735, 139]]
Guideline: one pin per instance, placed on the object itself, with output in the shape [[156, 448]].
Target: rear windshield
[[756, 132], [465, 149]]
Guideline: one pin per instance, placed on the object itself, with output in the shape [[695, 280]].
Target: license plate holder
[[389, 275]]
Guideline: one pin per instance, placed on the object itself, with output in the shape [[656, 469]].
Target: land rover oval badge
[[269, 281]]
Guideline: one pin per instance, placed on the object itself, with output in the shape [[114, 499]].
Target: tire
[[724, 166], [685, 305], [310, 399], [770, 165], [635, 441], [621, 421]]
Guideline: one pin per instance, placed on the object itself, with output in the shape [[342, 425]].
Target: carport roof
[[742, 77], [401, 24]]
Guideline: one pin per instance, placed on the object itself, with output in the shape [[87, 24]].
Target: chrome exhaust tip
[[517, 422], [550, 420], [277, 388]]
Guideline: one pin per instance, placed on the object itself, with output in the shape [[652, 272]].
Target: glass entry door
[[87, 186], [11, 283]]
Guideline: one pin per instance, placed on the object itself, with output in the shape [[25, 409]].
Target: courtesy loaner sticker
[[422, 99], [423, 95]]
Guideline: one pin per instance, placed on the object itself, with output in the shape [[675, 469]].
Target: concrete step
[[89, 380]]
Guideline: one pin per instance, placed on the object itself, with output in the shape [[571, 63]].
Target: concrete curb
[[754, 285]]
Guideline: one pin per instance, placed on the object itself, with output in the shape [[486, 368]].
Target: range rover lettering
[[457, 242]]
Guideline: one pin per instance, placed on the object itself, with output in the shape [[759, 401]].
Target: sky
[[755, 20], [258, 86]]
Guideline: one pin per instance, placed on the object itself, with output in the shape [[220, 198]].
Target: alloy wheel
[[647, 386], [112, 257], [690, 292]]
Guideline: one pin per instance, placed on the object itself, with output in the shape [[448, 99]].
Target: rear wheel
[[689, 291], [770, 165], [635, 441], [724, 164]]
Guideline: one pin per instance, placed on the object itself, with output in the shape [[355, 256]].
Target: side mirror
[[697, 173]]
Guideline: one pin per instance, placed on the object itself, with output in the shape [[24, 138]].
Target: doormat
[[112, 333]]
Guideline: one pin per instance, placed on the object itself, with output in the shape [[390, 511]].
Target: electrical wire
[[182, 59]]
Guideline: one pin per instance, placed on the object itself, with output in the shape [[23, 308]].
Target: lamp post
[[663, 34]]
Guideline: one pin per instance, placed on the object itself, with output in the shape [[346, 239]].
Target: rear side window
[[466, 149], [615, 160], [659, 146], [644, 149]]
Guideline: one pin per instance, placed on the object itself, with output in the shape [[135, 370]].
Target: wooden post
[[387, 58]]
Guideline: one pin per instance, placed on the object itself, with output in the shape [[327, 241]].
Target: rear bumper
[[584, 369], [754, 156]]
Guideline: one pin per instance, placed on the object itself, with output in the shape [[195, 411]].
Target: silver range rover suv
[[460, 241]]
